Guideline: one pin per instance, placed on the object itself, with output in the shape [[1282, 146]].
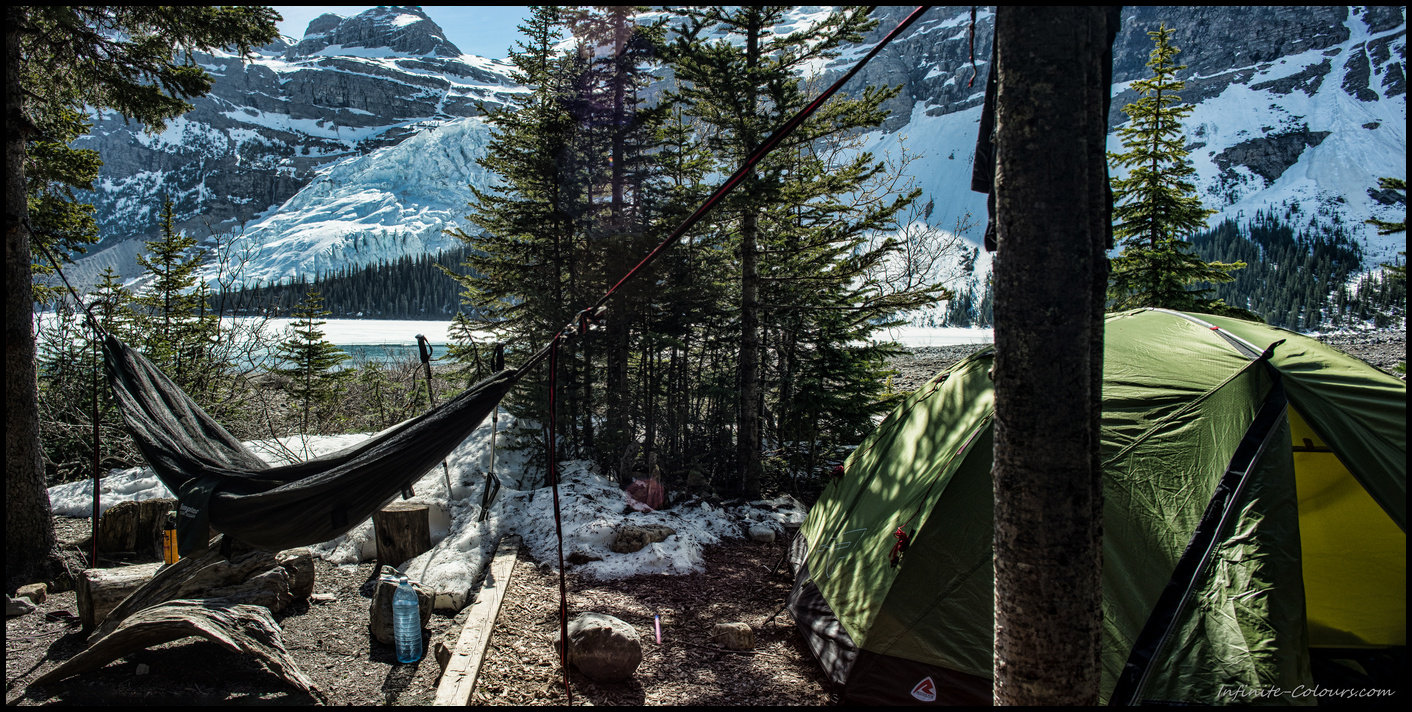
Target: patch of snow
[[592, 508]]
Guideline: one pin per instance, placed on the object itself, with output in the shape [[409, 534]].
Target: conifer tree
[[521, 240], [54, 168], [176, 330], [62, 58], [1395, 272], [1155, 205], [805, 294], [111, 302], [313, 379], [1386, 227]]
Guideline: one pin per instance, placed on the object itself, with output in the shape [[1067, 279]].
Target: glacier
[[359, 142], [395, 201]]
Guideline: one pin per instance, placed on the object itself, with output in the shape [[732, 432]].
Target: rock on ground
[[603, 648], [633, 537]]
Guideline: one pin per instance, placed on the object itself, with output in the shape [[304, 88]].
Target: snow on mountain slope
[[274, 122], [392, 202], [1278, 141], [1297, 109]]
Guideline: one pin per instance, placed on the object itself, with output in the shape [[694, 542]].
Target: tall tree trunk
[[29, 529], [619, 317], [1050, 273], [748, 427]]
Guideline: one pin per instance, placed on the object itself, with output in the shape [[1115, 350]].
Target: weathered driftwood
[[462, 665], [300, 565], [403, 530], [249, 576], [240, 628], [134, 526], [99, 591]]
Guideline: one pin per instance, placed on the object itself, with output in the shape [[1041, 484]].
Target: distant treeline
[[406, 288], [1301, 279]]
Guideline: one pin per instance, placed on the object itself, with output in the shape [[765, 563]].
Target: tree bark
[[211, 575], [748, 429], [1050, 274], [98, 591], [30, 546], [402, 530]]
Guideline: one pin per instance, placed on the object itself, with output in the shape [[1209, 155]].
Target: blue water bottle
[[406, 623]]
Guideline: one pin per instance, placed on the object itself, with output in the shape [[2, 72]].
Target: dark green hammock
[[222, 484]]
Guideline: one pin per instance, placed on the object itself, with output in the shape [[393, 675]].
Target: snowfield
[[593, 509]]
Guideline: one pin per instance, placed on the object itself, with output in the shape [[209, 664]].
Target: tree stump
[[403, 530], [99, 591], [134, 526]]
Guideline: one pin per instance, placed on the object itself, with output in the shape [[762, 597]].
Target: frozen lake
[[376, 332], [395, 340]]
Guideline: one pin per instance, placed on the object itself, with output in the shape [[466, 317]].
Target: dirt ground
[[332, 646], [331, 643]]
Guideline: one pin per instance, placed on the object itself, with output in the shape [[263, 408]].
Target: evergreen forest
[[405, 288], [741, 359], [1304, 279]]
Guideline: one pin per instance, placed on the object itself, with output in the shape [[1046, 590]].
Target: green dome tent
[[1255, 519]]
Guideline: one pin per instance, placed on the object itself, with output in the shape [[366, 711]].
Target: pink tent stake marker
[[658, 623]]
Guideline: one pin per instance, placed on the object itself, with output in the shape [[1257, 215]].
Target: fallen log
[[240, 628], [249, 576]]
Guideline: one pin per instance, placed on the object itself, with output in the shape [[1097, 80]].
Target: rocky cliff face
[[1296, 108], [351, 86]]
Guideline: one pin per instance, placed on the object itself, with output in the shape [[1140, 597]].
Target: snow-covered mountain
[[271, 125], [357, 142], [1296, 108]]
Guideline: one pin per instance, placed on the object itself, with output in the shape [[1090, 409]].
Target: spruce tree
[[806, 296], [310, 362], [54, 169], [111, 303], [1155, 203], [520, 240], [175, 328], [62, 58], [1395, 272], [1385, 227]]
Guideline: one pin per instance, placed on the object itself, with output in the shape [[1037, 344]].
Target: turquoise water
[[388, 353]]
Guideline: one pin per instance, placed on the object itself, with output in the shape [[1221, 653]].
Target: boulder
[[735, 636], [380, 612], [603, 648], [35, 592], [633, 537], [761, 533], [17, 606]]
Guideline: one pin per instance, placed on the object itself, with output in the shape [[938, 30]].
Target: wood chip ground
[[331, 644]]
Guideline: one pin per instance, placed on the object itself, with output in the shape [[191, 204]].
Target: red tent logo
[[925, 690]]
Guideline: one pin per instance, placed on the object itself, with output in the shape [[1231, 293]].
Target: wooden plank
[[459, 679]]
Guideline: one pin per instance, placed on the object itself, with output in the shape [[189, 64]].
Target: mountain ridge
[[1295, 108]]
